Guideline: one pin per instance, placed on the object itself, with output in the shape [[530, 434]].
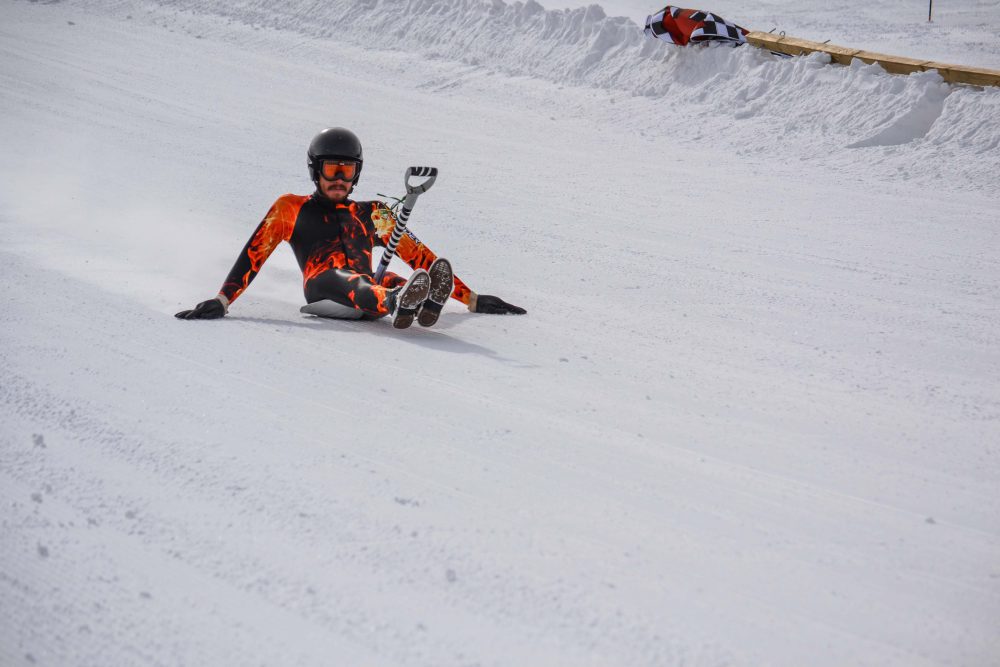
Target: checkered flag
[[683, 26]]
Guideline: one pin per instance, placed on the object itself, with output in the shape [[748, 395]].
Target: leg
[[346, 287]]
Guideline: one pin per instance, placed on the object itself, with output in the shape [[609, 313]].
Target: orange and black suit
[[333, 246]]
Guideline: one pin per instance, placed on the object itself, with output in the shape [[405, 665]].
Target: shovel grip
[[430, 173]]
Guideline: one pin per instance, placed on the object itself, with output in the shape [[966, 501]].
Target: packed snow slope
[[752, 416]]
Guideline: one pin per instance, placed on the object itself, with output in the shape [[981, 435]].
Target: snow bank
[[751, 99], [582, 46]]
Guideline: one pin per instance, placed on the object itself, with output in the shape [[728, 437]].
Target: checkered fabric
[[684, 26]]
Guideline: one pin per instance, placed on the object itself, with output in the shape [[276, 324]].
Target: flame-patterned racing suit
[[333, 246]]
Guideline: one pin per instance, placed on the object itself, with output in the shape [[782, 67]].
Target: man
[[332, 238]]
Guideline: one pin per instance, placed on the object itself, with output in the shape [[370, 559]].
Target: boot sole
[[442, 284], [413, 294], [429, 313]]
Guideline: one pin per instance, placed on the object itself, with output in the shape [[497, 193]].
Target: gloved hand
[[206, 310], [494, 305]]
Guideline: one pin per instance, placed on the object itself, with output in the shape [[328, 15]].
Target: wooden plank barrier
[[793, 46]]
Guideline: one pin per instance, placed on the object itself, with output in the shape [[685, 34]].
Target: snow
[[752, 416]]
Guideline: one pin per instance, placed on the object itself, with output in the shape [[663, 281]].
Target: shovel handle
[[430, 173]]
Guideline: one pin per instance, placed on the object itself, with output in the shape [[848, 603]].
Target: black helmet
[[334, 143]]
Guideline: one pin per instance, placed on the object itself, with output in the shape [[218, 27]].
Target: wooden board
[[793, 46]]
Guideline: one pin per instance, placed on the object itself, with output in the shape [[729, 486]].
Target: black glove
[[494, 305], [206, 310]]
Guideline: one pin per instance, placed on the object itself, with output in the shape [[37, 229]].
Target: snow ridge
[[581, 46], [755, 101]]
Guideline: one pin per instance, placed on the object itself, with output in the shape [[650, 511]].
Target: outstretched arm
[[277, 226], [413, 251]]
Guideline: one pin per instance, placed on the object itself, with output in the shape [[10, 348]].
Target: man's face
[[335, 181]]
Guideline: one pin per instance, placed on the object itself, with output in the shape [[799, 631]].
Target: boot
[[405, 301], [442, 283]]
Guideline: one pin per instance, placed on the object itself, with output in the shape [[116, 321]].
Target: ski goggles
[[334, 169]]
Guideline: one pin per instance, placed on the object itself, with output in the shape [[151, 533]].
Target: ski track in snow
[[751, 418]]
